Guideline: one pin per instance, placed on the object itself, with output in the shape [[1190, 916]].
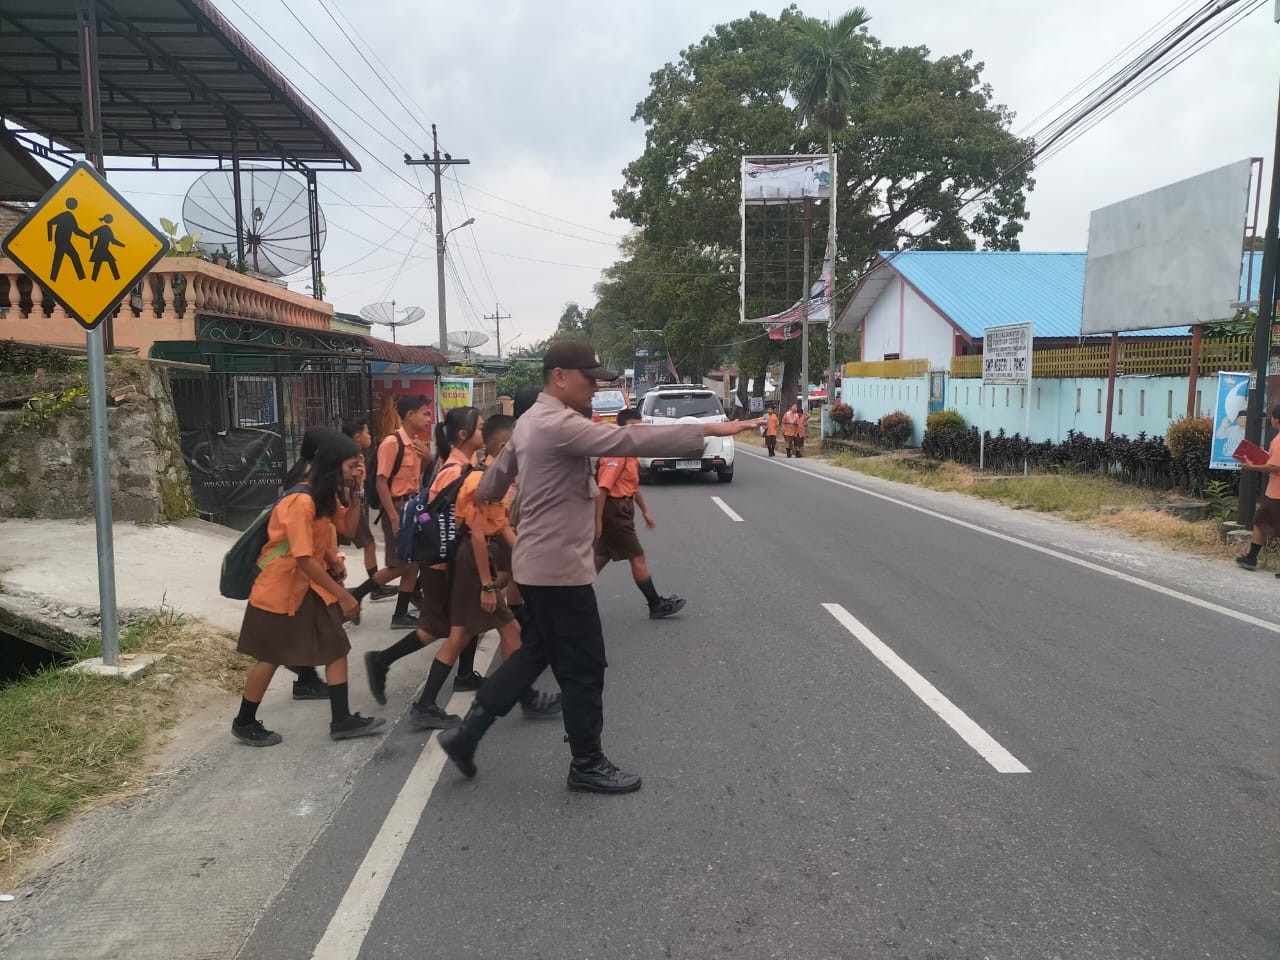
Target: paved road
[[822, 735]]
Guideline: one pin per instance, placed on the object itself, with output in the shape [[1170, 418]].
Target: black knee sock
[[409, 643], [248, 712], [338, 701], [435, 680], [402, 602], [306, 673], [650, 591], [371, 571], [467, 658], [1254, 550], [364, 589]]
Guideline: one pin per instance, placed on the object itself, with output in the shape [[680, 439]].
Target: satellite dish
[[463, 342], [277, 232], [385, 314]]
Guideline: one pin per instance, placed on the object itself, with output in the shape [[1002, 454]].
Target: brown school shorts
[[364, 534], [618, 540], [384, 521], [1267, 517]]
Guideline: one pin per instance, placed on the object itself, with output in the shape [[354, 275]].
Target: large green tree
[[908, 159]]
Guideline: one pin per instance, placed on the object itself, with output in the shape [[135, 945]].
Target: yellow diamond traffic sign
[[85, 244]]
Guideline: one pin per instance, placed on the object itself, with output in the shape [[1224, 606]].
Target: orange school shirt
[[281, 586], [771, 425], [791, 424], [1273, 479], [409, 476], [490, 519], [619, 476]]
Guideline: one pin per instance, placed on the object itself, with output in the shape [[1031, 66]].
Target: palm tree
[[830, 72]]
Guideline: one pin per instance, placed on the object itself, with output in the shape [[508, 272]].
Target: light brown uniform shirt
[[550, 450]]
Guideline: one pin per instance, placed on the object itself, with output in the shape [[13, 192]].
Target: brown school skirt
[[364, 534], [1267, 517], [618, 540], [466, 610], [312, 637], [434, 618]]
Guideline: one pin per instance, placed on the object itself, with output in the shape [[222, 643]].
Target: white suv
[[687, 403]]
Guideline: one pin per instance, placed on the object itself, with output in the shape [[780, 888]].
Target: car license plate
[[688, 464]]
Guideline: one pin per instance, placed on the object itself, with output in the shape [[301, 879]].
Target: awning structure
[[21, 177], [177, 80]]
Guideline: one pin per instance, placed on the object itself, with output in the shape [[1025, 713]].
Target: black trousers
[[564, 633]]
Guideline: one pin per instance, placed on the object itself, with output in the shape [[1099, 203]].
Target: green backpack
[[241, 564]]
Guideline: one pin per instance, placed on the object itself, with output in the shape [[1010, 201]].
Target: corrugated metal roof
[[977, 289]]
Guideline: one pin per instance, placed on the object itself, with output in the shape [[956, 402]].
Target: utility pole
[[497, 319], [436, 163], [804, 309]]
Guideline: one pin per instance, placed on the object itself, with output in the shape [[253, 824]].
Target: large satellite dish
[[463, 342], [385, 314], [277, 222]]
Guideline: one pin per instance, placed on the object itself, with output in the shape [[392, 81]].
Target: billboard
[[1170, 257], [1006, 355], [778, 180], [455, 392]]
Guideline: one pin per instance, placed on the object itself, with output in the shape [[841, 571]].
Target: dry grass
[[70, 741], [1096, 500]]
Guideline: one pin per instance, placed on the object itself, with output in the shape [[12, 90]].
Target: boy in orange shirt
[[619, 481], [771, 432], [1266, 521]]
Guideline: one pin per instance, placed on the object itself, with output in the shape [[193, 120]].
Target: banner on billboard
[[1006, 354], [1229, 411], [777, 180], [455, 392]]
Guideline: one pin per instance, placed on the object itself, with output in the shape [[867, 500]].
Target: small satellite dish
[[463, 342], [385, 314]]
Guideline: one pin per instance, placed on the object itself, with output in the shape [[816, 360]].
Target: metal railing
[[1166, 357]]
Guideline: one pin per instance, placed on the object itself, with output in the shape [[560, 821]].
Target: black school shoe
[[666, 607], [354, 726], [376, 671], [1245, 562], [431, 717], [255, 734], [312, 688], [383, 593], [596, 774], [404, 621], [466, 682]]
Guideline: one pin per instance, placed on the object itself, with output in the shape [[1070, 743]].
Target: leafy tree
[[906, 158], [521, 373]]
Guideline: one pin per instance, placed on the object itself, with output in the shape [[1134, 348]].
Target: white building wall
[[902, 322]]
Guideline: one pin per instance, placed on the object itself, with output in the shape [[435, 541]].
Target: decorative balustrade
[[163, 306]]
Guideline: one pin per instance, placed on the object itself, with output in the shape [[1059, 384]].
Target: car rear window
[[676, 405], [608, 400]]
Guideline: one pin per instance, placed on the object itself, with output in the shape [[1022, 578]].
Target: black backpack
[[429, 529], [241, 564]]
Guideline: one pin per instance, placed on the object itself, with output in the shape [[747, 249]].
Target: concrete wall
[[1143, 404], [45, 465], [902, 322]]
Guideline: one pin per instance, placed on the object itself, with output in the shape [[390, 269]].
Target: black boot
[[594, 773], [459, 744]]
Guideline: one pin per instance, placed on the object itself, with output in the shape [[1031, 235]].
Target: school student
[[400, 459], [358, 533], [791, 430], [481, 572], [619, 481], [458, 437], [771, 432], [297, 605]]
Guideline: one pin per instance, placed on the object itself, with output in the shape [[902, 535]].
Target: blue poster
[[1229, 411]]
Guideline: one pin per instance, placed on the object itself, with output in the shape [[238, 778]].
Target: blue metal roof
[[977, 289]]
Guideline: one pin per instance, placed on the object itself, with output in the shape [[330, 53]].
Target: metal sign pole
[[96, 349]]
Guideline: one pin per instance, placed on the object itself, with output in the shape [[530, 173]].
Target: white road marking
[[986, 745], [1047, 551], [350, 923], [727, 509]]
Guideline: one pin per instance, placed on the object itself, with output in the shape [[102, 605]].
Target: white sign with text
[[1006, 354]]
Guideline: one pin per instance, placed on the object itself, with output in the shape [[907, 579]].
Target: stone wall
[[45, 460]]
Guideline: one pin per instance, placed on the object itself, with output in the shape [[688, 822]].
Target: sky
[[539, 96]]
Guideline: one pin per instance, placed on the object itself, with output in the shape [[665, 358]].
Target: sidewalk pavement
[[185, 869]]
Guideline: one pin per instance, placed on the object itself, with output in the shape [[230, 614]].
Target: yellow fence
[[1170, 358], [891, 369]]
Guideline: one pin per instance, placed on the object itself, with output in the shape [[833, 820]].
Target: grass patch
[[1074, 497], [69, 740]]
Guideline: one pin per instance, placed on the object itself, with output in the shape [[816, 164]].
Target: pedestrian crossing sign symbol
[[86, 245]]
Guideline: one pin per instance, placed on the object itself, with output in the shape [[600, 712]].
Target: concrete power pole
[[437, 164], [497, 319]]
